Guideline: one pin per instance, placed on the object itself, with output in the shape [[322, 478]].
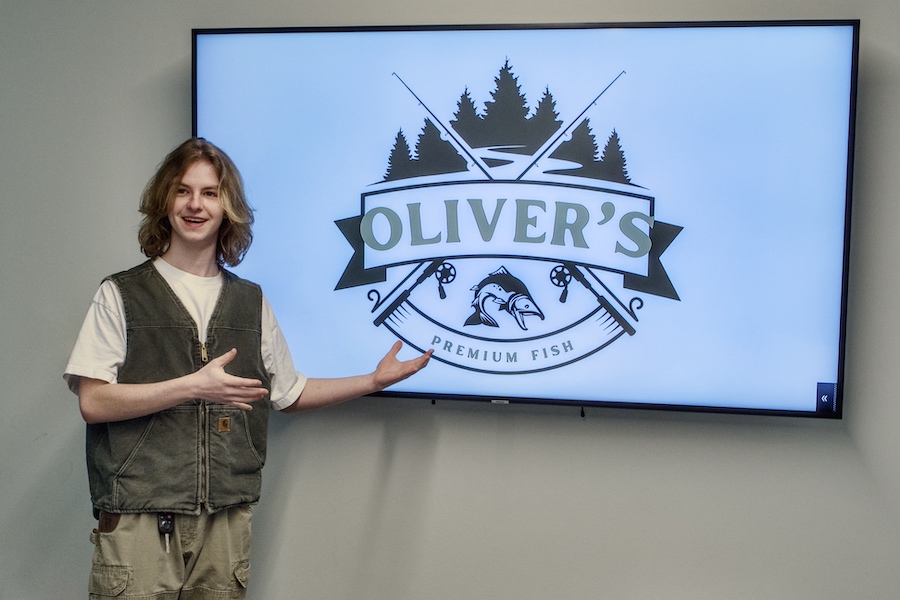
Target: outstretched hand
[[215, 385], [319, 393], [390, 370]]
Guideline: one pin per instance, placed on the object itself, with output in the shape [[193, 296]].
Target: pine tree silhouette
[[582, 149], [467, 123], [543, 123], [436, 155], [505, 117], [613, 160], [400, 164]]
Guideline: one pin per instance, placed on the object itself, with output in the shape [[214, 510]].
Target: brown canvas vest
[[198, 454]]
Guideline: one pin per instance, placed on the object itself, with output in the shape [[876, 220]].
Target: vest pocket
[[160, 471], [235, 465]]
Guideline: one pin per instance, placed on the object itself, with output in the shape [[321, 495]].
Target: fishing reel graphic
[[560, 276], [445, 274]]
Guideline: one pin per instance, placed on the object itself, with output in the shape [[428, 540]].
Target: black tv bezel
[[854, 24]]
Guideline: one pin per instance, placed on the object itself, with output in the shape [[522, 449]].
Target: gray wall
[[403, 500]]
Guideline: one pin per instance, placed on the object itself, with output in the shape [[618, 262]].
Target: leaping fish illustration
[[500, 287]]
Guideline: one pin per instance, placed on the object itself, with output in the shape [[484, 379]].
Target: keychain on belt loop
[[166, 524]]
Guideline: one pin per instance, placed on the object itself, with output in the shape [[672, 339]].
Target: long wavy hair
[[235, 234]]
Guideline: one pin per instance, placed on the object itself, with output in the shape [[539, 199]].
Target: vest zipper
[[204, 423]]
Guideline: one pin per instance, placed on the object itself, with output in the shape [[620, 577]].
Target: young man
[[175, 368]]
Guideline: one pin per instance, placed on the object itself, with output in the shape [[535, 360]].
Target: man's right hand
[[215, 385], [103, 402]]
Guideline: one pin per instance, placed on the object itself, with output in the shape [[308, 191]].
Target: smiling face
[[196, 213], [195, 163]]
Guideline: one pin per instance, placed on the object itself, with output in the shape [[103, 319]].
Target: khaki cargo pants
[[208, 557]]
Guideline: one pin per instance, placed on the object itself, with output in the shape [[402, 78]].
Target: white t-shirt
[[100, 348]]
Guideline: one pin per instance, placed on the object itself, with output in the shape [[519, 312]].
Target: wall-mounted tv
[[641, 215]]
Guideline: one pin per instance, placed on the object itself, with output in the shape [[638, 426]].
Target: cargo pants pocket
[[242, 573], [108, 581]]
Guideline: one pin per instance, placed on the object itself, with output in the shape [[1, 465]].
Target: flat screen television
[[648, 215]]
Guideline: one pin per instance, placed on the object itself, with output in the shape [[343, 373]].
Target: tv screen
[[638, 215]]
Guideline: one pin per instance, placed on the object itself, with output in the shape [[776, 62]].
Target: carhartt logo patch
[[224, 424]]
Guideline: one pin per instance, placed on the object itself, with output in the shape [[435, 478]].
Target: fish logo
[[498, 191], [510, 295]]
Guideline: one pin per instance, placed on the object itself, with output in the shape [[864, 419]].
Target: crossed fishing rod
[[445, 272]]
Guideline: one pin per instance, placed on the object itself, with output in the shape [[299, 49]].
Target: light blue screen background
[[740, 134]]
